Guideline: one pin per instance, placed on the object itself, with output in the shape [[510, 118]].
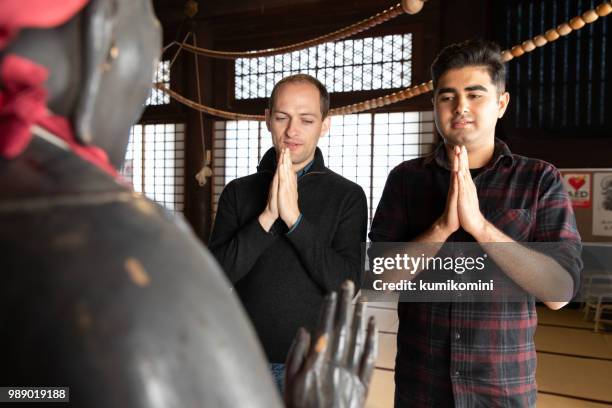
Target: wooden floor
[[574, 363]]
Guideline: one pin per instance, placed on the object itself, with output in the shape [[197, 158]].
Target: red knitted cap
[[18, 14]]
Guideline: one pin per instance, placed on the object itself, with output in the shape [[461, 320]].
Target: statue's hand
[[334, 370]]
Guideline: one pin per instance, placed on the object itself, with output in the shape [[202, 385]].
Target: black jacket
[[282, 279]]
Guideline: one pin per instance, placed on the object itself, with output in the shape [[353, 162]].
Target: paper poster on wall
[[602, 204], [578, 187]]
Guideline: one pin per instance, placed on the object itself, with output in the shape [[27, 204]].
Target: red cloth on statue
[[60, 127], [23, 98], [23, 103], [18, 14]]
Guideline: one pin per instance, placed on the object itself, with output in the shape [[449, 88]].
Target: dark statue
[[103, 290]]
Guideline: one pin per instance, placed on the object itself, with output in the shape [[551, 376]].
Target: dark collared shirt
[[305, 169], [473, 354], [300, 174]]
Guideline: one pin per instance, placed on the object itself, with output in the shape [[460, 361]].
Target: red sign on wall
[[578, 187]]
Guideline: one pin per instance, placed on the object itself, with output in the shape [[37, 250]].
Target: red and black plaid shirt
[[473, 354]]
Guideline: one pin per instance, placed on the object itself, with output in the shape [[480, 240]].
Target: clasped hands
[[283, 194], [462, 209]]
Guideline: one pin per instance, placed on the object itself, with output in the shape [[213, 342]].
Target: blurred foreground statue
[[103, 291], [335, 368]]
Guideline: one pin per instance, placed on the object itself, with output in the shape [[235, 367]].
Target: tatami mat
[[383, 305], [387, 348], [608, 340], [555, 401], [574, 376], [564, 317], [577, 342], [386, 319], [382, 389], [574, 363]]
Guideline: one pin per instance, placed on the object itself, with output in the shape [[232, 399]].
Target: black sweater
[[282, 278]]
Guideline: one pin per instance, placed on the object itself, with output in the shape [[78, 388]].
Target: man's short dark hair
[[324, 101], [470, 53]]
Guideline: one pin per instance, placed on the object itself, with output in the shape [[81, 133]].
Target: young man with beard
[[291, 232], [472, 188]]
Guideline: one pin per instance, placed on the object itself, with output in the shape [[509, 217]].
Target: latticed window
[[349, 146], [565, 83], [238, 146], [361, 147], [161, 76], [398, 137], [344, 66], [154, 163]]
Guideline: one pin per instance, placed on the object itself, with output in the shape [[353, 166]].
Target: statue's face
[[126, 81]]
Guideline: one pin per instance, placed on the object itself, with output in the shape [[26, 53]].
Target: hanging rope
[[407, 6], [575, 23], [564, 29], [206, 109], [553, 34]]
